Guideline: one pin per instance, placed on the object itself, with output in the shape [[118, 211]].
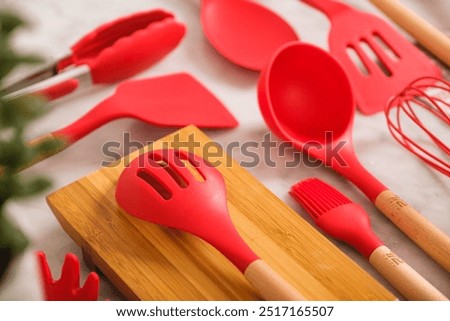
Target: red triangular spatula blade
[[175, 100]]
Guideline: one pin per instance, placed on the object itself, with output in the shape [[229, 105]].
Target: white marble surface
[[55, 25]]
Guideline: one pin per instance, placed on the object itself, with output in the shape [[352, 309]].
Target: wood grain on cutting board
[[150, 262]]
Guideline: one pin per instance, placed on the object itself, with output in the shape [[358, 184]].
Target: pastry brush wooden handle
[[426, 235], [427, 35], [270, 284], [403, 277]]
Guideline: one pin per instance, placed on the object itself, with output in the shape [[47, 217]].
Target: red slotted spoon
[[158, 187]]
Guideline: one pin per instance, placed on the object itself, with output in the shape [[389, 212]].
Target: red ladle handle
[[271, 285]]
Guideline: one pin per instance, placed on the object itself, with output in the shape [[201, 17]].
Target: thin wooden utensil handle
[[270, 284], [51, 138], [403, 277], [427, 35], [432, 240]]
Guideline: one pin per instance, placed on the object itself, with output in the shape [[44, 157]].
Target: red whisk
[[417, 114]]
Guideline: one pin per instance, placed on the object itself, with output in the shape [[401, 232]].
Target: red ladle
[[306, 98], [244, 32]]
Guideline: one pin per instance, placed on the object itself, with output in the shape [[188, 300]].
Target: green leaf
[[20, 111], [31, 187], [15, 186], [11, 237], [9, 21]]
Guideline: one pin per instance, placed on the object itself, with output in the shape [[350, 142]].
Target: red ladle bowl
[[306, 98]]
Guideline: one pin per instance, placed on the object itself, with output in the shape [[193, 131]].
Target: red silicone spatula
[[161, 188], [175, 100], [379, 61], [346, 221]]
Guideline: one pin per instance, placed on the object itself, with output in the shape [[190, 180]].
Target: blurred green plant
[[15, 115]]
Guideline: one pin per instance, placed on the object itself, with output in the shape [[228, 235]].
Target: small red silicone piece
[[67, 288], [59, 90], [350, 223], [200, 208], [127, 46]]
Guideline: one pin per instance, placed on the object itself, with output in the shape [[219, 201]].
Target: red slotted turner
[[379, 61]]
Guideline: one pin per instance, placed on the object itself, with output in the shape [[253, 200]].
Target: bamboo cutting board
[[149, 262]]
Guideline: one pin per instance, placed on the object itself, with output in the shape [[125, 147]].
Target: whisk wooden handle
[[270, 284], [432, 240], [403, 277], [427, 35]]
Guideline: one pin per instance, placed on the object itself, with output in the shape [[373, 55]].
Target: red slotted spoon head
[[159, 187]]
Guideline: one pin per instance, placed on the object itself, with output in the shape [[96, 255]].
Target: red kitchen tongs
[[112, 52]]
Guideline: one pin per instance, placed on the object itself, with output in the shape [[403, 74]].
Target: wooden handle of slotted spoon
[[270, 284], [403, 277], [427, 35], [432, 240]]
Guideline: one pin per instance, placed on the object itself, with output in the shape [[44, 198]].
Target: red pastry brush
[[346, 221]]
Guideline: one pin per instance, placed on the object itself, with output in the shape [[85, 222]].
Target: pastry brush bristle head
[[318, 197]]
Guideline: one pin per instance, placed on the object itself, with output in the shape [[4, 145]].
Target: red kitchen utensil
[[414, 116], [112, 52], [313, 108], [379, 61], [346, 221], [244, 32], [183, 191], [175, 100], [67, 288]]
